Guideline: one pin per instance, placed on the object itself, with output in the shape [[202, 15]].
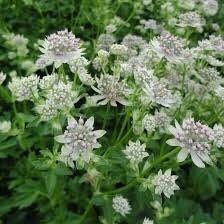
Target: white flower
[[142, 75], [194, 138], [24, 88], [48, 81], [121, 205], [5, 126], [157, 92], [218, 131], [165, 183], [149, 123], [62, 95], [118, 49], [79, 140], [135, 152], [2, 77], [213, 61], [219, 91], [210, 7], [170, 47], [147, 221], [47, 110], [190, 19], [111, 90], [60, 47]]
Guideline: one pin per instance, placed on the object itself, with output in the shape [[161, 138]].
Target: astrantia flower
[[209, 76], [79, 140], [47, 110], [142, 75], [135, 152], [147, 221], [165, 183], [60, 47], [169, 46], [219, 91], [104, 42], [2, 77], [157, 92], [62, 95], [24, 88], [218, 132], [194, 138], [111, 90], [118, 49], [121, 205], [149, 123], [210, 7], [48, 81], [190, 19]]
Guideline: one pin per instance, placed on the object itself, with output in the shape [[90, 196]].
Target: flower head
[[60, 47], [218, 132], [157, 92], [110, 89], [135, 152], [79, 140], [165, 183], [194, 138], [121, 205], [169, 46], [25, 87]]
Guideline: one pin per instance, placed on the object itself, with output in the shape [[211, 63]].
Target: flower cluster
[[121, 205], [60, 47], [135, 152], [79, 140], [165, 183], [194, 138], [111, 90]]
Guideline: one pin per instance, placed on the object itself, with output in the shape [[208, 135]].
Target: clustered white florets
[[135, 152], [170, 47], [218, 132], [194, 138], [165, 183], [79, 140], [24, 88], [111, 90], [59, 48], [121, 205]]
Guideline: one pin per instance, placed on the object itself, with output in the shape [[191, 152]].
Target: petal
[[61, 139], [197, 161], [72, 121], [182, 155], [89, 123], [99, 133], [172, 130], [173, 142], [168, 172]]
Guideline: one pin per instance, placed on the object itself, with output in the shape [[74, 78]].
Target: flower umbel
[[79, 140], [135, 152], [121, 205], [60, 47], [165, 183], [111, 90], [194, 139]]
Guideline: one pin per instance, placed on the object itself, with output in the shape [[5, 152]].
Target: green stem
[[88, 208], [106, 116]]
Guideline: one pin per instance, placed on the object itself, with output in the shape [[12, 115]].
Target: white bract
[[194, 138], [79, 140], [165, 183]]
